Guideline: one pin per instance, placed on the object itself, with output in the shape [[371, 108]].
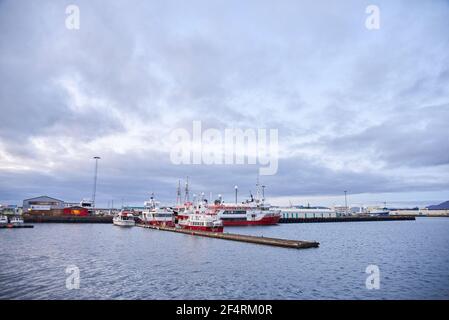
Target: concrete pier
[[296, 244]]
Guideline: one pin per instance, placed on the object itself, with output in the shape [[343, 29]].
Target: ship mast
[[178, 193], [186, 196], [257, 190]]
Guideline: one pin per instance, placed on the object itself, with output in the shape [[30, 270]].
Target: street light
[[236, 190], [346, 202], [95, 181]]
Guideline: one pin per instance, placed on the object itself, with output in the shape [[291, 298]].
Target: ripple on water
[[115, 263]]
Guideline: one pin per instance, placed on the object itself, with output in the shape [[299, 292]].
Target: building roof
[[43, 197]]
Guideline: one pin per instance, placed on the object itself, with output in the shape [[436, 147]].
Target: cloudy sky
[[360, 110]]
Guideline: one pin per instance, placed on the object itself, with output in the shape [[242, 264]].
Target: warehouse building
[[300, 212], [42, 204]]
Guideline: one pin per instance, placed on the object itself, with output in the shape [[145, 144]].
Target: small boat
[[201, 219], [3, 220], [154, 215], [16, 221], [124, 219]]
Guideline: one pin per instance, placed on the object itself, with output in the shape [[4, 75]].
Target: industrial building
[[300, 212], [10, 210], [48, 206], [42, 203]]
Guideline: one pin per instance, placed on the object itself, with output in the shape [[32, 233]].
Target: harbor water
[[138, 263]]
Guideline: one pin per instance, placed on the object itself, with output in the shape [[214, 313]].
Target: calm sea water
[[137, 263]]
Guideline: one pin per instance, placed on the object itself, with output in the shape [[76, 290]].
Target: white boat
[[16, 221], [3, 220], [124, 219]]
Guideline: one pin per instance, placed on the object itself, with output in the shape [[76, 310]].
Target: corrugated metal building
[[42, 203]]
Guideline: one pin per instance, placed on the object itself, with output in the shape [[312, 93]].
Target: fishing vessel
[[201, 219], [124, 219], [154, 215], [252, 212], [182, 212], [198, 216]]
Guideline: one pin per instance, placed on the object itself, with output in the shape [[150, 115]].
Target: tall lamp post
[[346, 202], [95, 181], [236, 190]]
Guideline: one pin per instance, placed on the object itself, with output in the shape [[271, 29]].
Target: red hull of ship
[[262, 222], [202, 228]]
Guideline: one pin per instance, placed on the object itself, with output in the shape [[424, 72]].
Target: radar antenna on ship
[[195, 201], [152, 203]]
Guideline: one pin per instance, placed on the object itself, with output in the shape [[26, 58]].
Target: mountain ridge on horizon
[[442, 206]]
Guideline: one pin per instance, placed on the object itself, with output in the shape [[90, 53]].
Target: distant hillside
[[441, 206]]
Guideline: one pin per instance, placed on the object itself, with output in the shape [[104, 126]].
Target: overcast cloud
[[360, 110]]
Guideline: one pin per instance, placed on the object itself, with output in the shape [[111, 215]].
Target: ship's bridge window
[[234, 212]]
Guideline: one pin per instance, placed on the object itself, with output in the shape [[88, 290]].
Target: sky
[[356, 109]]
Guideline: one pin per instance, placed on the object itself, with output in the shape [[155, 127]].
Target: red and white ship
[[201, 219], [154, 215], [182, 212], [245, 214], [253, 212], [195, 216]]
